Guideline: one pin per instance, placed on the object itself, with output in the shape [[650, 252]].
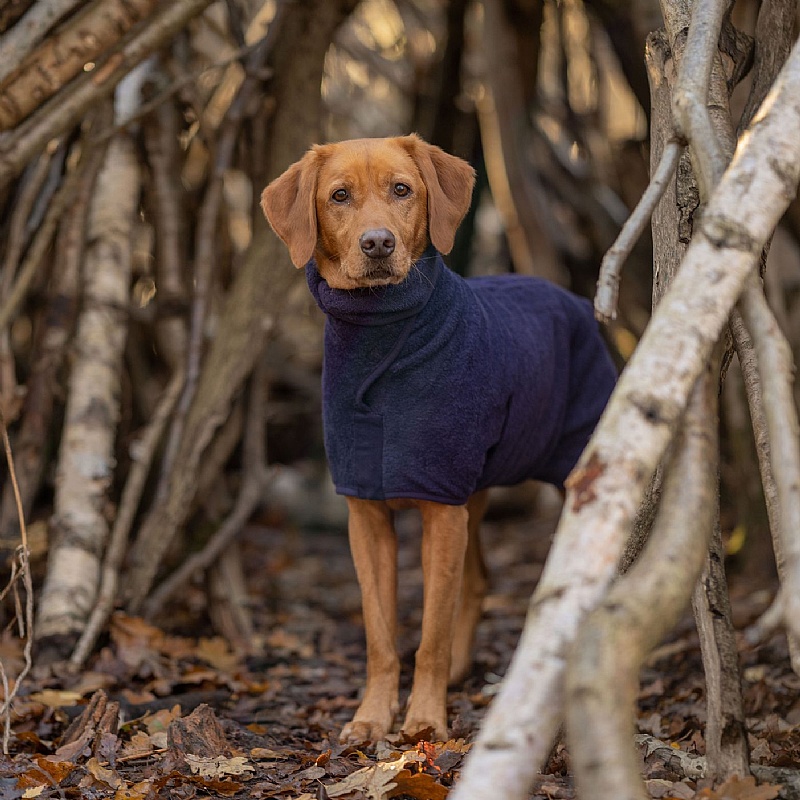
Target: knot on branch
[[655, 410], [728, 234]]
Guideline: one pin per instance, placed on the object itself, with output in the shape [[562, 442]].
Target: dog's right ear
[[289, 205]]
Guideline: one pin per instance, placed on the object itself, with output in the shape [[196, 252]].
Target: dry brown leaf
[[375, 781], [103, 774], [133, 638], [52, 772], [140, 744], [217, 652], [265, 754], [159, 721], [419, 785], [218, 766], [138, 791]]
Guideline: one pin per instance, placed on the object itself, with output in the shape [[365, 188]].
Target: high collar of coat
[[379, 305]]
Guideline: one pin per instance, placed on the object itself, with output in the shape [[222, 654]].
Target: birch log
[[79, 526], [608, 484]]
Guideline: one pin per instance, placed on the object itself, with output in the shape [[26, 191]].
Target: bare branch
[[66, 54], [73, 102], [775, 370], [21, 39], [605, 301], [610, 480], [615, 639]]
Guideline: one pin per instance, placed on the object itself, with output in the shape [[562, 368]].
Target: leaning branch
[[615, 639], [73, 102], [607, 486]]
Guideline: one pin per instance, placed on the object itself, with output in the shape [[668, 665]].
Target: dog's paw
[[422, 727], [360, 731]]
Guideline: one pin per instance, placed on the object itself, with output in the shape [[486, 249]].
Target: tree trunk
[[79, 527]]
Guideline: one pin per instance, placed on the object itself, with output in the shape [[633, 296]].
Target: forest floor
[[270, 722]]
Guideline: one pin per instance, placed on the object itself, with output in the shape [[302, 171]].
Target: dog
[[435, 388]]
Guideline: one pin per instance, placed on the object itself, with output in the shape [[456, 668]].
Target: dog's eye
[[339, 196], [401, 190]]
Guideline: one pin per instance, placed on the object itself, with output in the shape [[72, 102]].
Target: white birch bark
[[80, 524], [608, 484]]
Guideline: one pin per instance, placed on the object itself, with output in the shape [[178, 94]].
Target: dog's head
[[366, 208]]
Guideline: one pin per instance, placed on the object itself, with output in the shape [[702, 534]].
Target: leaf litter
[[177, 713]]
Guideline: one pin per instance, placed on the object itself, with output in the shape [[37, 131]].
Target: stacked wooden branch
[[121, 260]]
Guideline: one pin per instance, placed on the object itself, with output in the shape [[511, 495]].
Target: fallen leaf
[[265, 754], [159, 721], [56, 699], [419, 785], [103, 774], [53, 772], [217, 652], [375, 781], [217, 766], [138, 791]]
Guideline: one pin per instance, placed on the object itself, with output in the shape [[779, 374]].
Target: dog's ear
[[449, 181], [289, 205]]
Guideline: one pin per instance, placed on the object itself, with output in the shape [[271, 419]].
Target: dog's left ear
[[449, 181], [289, 205]]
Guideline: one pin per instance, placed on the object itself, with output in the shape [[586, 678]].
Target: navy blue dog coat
[[438, 386]]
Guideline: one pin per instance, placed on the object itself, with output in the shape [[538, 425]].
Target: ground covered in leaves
[[164, 712]]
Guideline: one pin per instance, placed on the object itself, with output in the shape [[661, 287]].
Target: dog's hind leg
[[473, 589]]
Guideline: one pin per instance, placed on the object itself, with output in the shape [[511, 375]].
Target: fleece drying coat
[[439, 386]]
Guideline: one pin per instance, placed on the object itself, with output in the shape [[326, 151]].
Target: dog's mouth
[[379, 273]]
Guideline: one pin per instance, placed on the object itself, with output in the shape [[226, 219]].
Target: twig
[[18, 227], [690, 110], [605, 301], [26, 622], [129, 504]]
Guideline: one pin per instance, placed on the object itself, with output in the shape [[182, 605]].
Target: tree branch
[[607, 486], [605, 300], [615, 639], [73, 102]]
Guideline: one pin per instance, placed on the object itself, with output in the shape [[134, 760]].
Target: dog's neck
[[379, 305]]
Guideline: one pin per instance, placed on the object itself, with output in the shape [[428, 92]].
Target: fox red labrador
[[435, 388]]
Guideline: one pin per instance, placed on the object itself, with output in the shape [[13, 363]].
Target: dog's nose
[[377, 243]]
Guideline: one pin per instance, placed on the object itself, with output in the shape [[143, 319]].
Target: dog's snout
[[377, 243]]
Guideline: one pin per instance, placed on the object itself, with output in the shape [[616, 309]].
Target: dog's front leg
[[373, 544], [444, 543]]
